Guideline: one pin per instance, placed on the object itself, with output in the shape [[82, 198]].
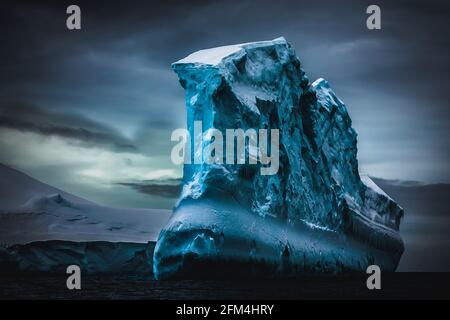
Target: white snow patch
[[317, 82], [316, 226], [214, 56], [194, 99], [210, 56], [371, 185]]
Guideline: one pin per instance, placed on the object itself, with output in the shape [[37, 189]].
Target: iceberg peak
[[214, 56], [320, 83]]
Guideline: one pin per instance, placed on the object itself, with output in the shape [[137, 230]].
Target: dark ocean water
[[394, 286]]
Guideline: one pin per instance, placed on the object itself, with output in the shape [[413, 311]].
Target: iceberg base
[[230, 241]]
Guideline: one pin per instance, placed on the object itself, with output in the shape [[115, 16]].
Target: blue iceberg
[[317, 214]]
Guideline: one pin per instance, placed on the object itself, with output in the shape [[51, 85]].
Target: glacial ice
[[33, 211], [316, 215], [95, 257]]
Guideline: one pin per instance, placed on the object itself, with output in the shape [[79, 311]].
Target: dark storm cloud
[[169, 188], [108, 70], [394, 81], [116, 70], [86, 132]]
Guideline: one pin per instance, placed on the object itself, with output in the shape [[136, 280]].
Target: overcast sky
[[91, 111]]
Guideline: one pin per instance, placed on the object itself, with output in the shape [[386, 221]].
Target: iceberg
[[317, 214]]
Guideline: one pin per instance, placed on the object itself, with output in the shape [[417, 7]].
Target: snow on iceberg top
[[319, 83], [214, 56], [325, 94], [372, 185]]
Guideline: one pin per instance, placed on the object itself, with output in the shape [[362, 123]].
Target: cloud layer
[[169, 188], [68, 125], [107, 96]]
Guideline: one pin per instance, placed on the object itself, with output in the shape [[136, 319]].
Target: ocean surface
[[394, 286]]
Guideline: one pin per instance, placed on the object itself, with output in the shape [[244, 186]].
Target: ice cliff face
[[316, 214]]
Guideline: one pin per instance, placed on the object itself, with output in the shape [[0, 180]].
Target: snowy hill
[[33, 211]]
